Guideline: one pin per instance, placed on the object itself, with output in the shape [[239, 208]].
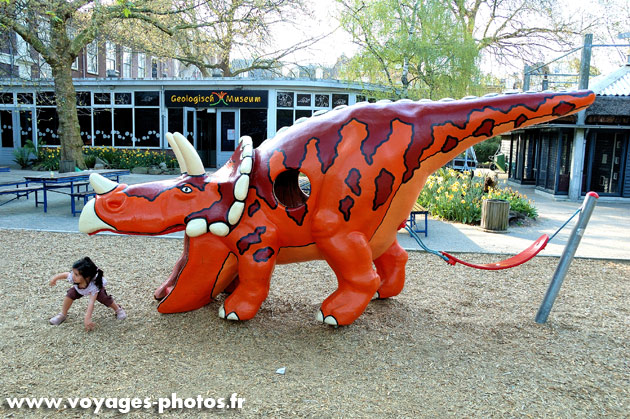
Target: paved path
[[607, 235]]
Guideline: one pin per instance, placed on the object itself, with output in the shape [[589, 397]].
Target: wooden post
[[494, 215]]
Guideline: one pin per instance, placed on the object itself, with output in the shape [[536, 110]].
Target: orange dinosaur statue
[[366, 165]]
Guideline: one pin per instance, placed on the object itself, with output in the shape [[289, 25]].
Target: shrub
[[457, 196], [486, 149], [48, 158], [128, 158]]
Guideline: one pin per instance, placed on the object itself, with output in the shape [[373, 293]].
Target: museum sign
[[216, 98]]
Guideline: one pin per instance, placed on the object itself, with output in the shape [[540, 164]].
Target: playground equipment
[[365, 165], [530, 252]]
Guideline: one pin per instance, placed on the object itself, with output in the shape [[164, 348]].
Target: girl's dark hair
[[89, 271]]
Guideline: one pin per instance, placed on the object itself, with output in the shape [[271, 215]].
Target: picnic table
[[71, 183]]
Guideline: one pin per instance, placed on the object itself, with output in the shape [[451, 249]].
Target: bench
[[19, 189], [418, 211], [5, 169], [85, 195]]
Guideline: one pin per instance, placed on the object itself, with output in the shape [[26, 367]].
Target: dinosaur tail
[[457, 125]]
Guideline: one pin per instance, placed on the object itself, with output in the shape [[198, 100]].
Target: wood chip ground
[[457, 342]]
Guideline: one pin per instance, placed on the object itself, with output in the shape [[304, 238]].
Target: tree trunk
[[69, 132]]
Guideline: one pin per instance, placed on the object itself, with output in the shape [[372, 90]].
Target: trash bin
[[494, 215]]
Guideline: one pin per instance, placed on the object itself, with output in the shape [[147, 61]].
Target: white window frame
[[91, 57], [142, 65], [126, 62], [110, 56]]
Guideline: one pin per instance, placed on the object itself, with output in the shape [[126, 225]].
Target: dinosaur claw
[[326, 320], [232, 316], [376, 296], [222, 312]]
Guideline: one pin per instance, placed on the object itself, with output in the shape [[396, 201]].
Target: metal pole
[[585, 61], [526, 78], [567, 257]]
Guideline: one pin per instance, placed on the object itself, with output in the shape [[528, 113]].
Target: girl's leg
[[67, 302]]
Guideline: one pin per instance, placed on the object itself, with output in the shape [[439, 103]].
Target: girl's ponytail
[[98, 278]]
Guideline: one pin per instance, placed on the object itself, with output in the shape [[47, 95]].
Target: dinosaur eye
[[186, 189]]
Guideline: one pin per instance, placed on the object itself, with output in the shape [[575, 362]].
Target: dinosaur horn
[[177, 151], [101, 184], [189, 155]]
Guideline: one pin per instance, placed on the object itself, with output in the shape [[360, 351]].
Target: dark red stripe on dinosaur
[[151, 191], [297, 214], [252, 238], [451, 143], [218, 211], [294, 158], [563, 108], [352, 180], [261, 181], [384, 183], [485, 129], [263, 255], [345, 205], [255, 206], [520, 120]]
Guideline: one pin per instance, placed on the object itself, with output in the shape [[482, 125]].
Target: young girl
[[88, 280]]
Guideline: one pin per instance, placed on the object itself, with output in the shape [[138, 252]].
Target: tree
[[456, 32], [413, 46], [58, 30], [213, 33]]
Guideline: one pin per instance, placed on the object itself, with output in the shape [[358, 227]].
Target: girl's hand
[[53, 281], [89, 326]]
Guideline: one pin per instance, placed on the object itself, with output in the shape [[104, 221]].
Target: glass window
[[110, 56], [303, 113], [228, 122], [102, 98], [175, 120], [46, 98], [47, 126], [254, 124], [284, 118], [75, 64], [147, 98], [122, 98], [361, 98], [147, 132], [91, 52], [339, 100], [142, 65], [126, 63], [303, 99], [322, 101], [84, 99], [26, 127], [25, 98], [285, 100], [6, 98], [154, 68], [123, 127], [102, 127], [85, 124], [6, 128]]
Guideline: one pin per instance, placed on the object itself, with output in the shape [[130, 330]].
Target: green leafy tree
[[413, 46], [58, 30], [443, 40]]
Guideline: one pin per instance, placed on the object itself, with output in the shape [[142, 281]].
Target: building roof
[[616, 83]]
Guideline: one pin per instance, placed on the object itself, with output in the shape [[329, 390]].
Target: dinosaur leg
[[254, 275], [350, 257], [390, 266], [191, 284]]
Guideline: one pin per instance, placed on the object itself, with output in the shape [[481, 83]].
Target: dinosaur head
[[194, 201]]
